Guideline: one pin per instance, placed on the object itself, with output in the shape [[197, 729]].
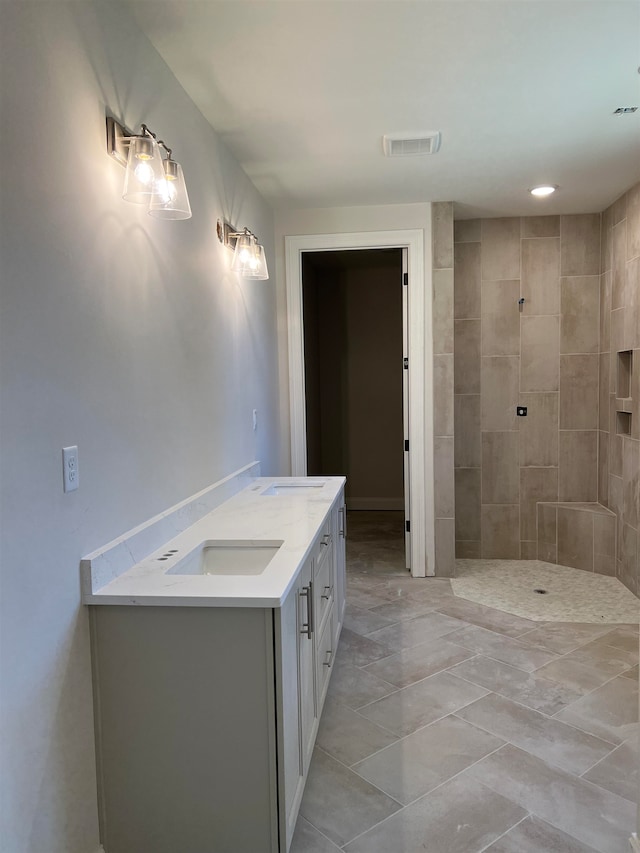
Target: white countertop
[[249, 516]]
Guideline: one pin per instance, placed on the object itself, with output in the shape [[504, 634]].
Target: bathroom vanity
[[211, 661]]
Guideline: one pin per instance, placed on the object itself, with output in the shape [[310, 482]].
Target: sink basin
[[308, 487], [217, 557]]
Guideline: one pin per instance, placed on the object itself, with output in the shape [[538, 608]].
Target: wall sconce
[[249, 259], [149, 179]]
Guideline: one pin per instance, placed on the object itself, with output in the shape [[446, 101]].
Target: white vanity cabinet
[[206, 716]]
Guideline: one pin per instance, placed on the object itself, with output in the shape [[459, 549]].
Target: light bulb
[[144, 172]]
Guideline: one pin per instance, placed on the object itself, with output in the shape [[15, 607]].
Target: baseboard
[[375, 503], [634, 843]]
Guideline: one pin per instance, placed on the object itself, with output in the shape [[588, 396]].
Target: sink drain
[[540, 591]]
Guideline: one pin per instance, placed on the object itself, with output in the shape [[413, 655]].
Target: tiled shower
[[557, 354]]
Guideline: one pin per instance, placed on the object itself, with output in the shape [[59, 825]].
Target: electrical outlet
[[255, 420], [70, 471], [521, 411]]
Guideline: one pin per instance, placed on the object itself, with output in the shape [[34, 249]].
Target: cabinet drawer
[[323, 544], [323, 589], [324, 660]]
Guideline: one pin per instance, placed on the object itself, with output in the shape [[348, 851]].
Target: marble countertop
[[249, 516]]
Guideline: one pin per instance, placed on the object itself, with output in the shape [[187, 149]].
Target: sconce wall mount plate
[[249, 259]]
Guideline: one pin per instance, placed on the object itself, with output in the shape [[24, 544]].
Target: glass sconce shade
[[248, 258], [171, 200], [144, 170]]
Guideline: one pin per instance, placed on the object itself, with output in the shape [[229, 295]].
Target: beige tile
[[540, 343], [461, 816], [500, 532], [467, 550], [580, 309], [536, 484], [500, 468], [578, 675], [605, 311], [540, 226], [617, 331], [466, 231], [467, 497], [564, 637], [618, 772], [633, 222], [307, 839], [442, 216], [615, 505], [541, 276], [499, 392], [619, 209], [604, 535], [467, 281], [603, 468], [578, 466], [529, 550], [533, 835], [631, 333], [443, 476], [605, 238], [598, 819], [628, 558], [618, 264], [610, 712], [505, 649], [353, 687], [530, 689], [363, 621], [414, 664], [442, 311], [635, 395], [500, 318], [359, 651], [425, 759], [467, 356], [603, 392], [548, 553], [414, 632], [631, 482], [467, 431], [579, 391], [575, 539], [443, 394], [534, 732], [501, 248], [445, 547], [539, 430], [340, 803], [486, 617], [615, 442], [348, 736], [580, 244], [415, 706], [548, 523]]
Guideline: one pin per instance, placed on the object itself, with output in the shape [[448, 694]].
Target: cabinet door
[[306, 664]]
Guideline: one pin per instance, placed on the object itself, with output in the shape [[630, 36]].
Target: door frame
[[421, 485]]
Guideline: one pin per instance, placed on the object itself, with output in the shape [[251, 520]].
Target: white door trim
[[422, 515]]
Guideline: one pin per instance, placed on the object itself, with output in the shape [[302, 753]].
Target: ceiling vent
[[411, 144]]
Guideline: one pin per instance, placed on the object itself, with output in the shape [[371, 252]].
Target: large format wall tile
[[443, 394], [467, 431], [536, 484], [500, 249], [605, 311], [603, 391], [633, 222], [575, 538], [467, 356], [442, 311], [500, 532], [443, 235], [541, 276], [467, 281], [467, 503], [603, 468], [500, 468], [579, 391], [539, 430], [580, 310], [580, 244], [578, 465], [445, 547], [500, 318], [467, 231], [499, 392], [631, 482], [618, 264], [539, 370], [443, 452], [540, 226]]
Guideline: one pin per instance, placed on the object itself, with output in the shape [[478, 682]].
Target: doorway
[[419, 375], [356, 391]]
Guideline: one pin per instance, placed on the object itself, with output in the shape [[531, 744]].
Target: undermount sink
[[227, 558], [308, 487]]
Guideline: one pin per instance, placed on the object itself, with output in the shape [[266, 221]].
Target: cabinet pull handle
[[326, 540], [330, 661], [343, 521], [328, 594], [307, 592]]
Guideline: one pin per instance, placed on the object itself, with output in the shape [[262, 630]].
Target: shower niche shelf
[[624, 401]]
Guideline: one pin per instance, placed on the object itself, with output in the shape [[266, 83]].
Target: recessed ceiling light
[[542, 191]]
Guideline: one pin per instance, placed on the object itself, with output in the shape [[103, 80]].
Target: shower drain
[[540, 591]]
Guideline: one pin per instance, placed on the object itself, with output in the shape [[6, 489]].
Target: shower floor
[[567, 595]]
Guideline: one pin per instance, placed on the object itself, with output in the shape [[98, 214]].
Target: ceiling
[[523, 92]]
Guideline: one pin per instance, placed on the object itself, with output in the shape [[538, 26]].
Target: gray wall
[[124, 335]]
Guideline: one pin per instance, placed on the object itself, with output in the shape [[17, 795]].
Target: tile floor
[[452, 727]]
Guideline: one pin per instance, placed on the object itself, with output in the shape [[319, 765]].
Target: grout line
[[507, 831]]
